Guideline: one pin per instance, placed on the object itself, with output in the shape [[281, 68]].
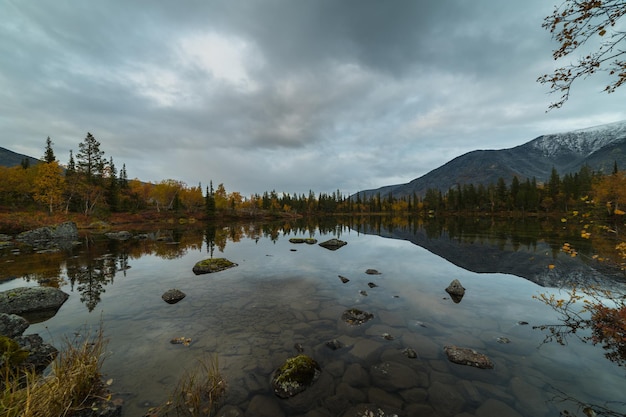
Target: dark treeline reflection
[[504, 233], [96, 262], [477, 244]]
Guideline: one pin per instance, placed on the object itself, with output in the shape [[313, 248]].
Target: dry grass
[[73, 384], [198, 392]]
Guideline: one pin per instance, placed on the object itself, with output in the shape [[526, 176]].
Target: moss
[[10, 352], [295, 375], [212, 265], [216, 263]]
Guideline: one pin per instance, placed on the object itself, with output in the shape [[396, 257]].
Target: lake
[[282, 294]]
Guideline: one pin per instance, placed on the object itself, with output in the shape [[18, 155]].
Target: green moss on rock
[[10, 352], [295, 375], [208, 266]]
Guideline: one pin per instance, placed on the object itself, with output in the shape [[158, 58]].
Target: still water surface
[[282, 293]]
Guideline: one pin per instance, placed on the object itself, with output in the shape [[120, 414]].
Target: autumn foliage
[[602, 314]]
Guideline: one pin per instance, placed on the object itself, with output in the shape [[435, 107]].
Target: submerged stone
[[211, 265], [467, 356], [356, 317], [294, 376]]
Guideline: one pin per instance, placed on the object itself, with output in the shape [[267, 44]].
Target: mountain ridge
[[8, 158], [598, 147]]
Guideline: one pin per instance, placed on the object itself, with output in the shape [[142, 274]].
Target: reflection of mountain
[[502, 254]]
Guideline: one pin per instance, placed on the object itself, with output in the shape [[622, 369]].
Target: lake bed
[[282, 294]]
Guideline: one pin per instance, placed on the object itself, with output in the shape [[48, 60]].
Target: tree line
[[91, 184]]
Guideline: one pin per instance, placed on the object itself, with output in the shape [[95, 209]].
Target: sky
[[284, 95]]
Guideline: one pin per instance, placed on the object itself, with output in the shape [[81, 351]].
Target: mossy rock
[[295, 375], [211, 265], [307, 240], [11, 353]]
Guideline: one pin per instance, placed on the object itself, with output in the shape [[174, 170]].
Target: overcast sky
[[283, 95]]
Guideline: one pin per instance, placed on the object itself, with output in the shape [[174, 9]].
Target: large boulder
[[12, 325], [61, 235], [32, 300], [26, 352], [40, 354]]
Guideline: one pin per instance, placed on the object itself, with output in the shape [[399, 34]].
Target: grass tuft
[[74, 382], [198, 392]]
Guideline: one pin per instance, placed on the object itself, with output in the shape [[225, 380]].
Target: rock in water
[[456, 291], [12, 325], [333, 244], [25, 300], [173, 296], [467, 356], [60, 235], [356, 317], [294, 376], [208, 266]]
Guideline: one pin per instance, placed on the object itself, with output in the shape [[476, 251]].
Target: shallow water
[[281, 293]]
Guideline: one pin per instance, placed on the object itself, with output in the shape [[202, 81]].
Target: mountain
[[598, 147], [10, 159], [495, 254]]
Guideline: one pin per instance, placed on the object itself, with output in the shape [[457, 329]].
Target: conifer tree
[[49, 156], [90, 159], [113, 188], [71, 165], [210, 200]]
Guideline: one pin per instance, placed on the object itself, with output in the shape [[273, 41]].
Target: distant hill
[[10, 159], [598, 147]]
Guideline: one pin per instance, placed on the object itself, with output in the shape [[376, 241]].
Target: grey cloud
[[366, 91]]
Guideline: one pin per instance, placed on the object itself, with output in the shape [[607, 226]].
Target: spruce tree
[[210, 200], [49, 153], [71, 165], [90, 159]]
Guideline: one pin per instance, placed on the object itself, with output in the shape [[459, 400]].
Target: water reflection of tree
[[588, 409], [91, 278], [600, 320]]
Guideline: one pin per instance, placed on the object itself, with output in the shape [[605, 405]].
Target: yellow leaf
[[551, 266], [619, 212]]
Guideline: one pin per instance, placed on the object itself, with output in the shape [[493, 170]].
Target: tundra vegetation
[[74, 383]]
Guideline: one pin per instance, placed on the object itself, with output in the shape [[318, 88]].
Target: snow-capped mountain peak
[[583, 142]]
